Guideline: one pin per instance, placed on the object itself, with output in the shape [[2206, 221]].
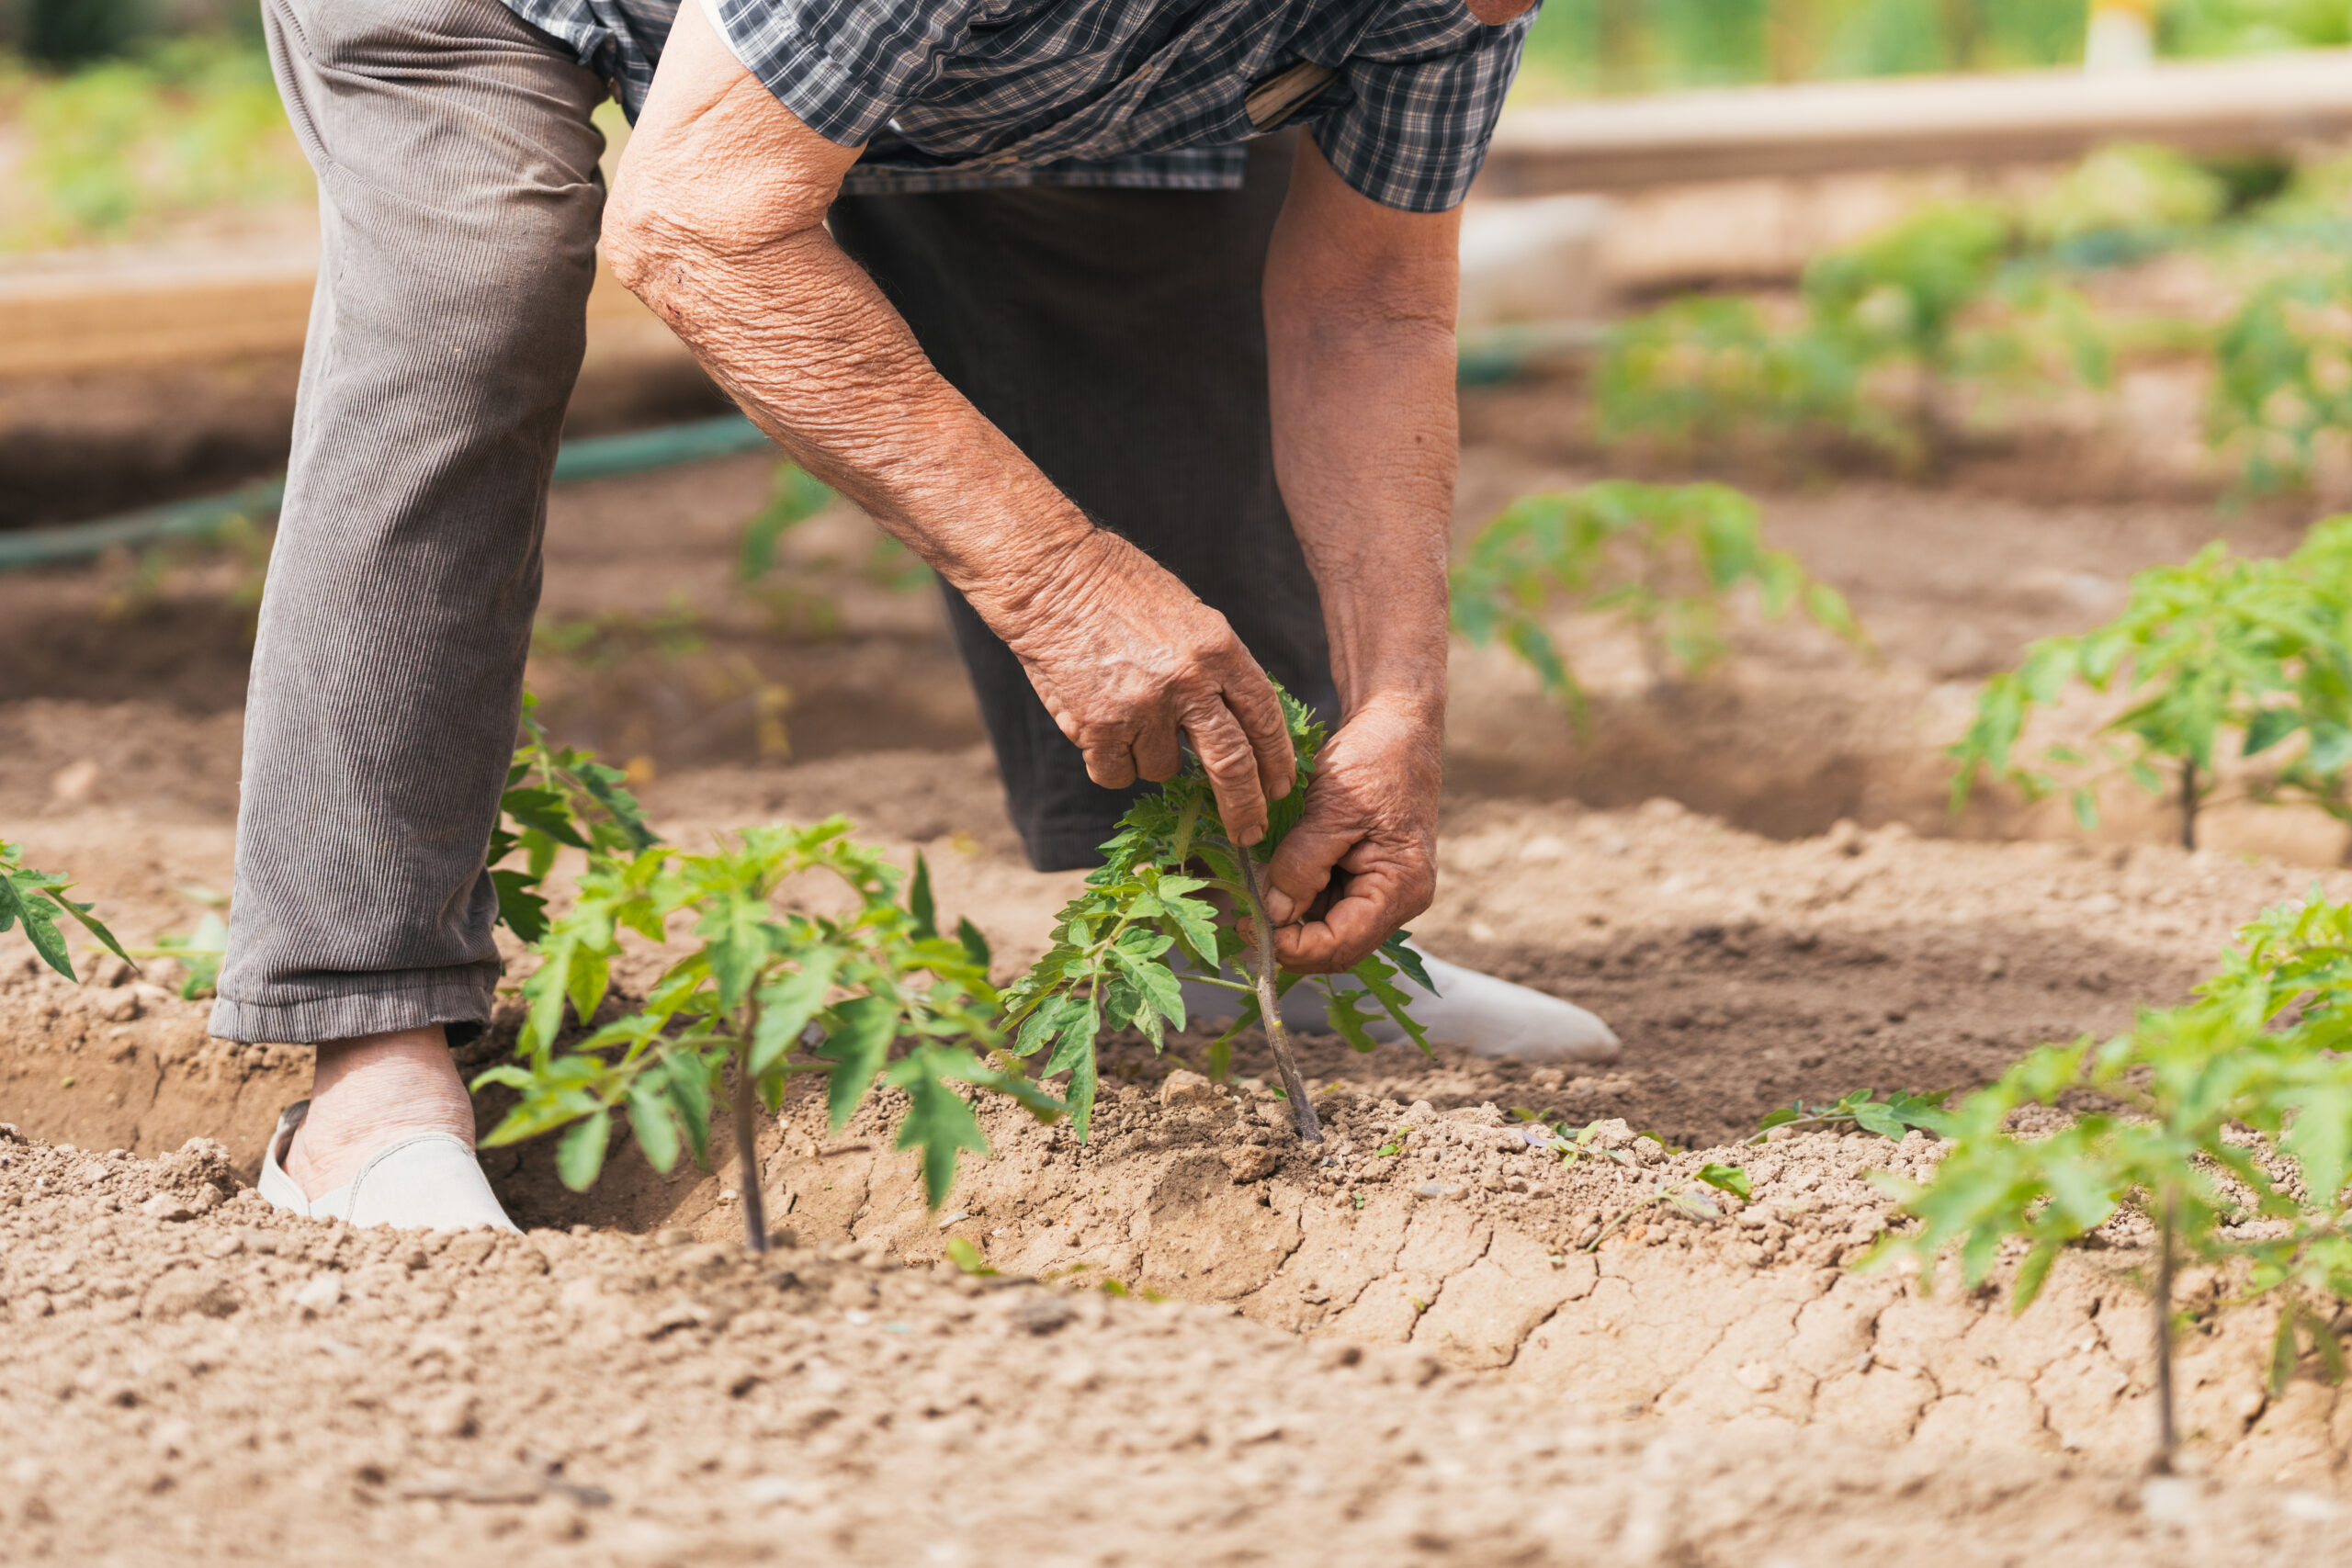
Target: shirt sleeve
[[843, 66], [1416, 126]]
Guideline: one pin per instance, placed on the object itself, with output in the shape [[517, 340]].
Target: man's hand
[[1364, 859], [1133, 666]]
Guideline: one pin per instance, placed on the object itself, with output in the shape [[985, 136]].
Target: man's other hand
[[1364, 859], [1134, 667]]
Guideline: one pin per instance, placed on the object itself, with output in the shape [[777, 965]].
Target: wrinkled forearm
[[717, 222], [1365, 448], [798, 334]]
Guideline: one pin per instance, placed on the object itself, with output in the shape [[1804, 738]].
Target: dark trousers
[[1116, 337]]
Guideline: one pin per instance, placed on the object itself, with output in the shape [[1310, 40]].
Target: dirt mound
[[213, 1381]]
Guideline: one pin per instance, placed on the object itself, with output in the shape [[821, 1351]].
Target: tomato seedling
[[1117, 946], [2283, 379], [2220, 647], [1890, 1117], [1942, 300], [1666, 558], [871, 996], [38, 901], [555, 798], [2234, 1108]]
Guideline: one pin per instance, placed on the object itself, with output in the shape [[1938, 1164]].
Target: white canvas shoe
[[1485, 1016], [428, 1181]]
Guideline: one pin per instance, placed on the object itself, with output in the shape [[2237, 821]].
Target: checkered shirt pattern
[[950, 94]]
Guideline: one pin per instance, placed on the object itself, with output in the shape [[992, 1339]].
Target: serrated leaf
[[1156, 982], [975, 946], [787, 1004], [938, 1122], [1398, 950], [1343, 1010], [520, 907]]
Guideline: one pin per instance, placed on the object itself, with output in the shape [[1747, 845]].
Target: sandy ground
[[1401, 1355]]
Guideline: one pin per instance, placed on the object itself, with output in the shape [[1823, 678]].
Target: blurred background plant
[[1635, 46], [117, 115]]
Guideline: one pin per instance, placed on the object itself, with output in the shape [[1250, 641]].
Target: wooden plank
[[142, 312], [2269, 103]]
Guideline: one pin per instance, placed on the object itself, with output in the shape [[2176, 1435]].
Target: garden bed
[[1427, 1362]]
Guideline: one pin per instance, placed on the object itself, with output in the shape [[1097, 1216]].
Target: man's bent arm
[[1360, 317], [717, 222]]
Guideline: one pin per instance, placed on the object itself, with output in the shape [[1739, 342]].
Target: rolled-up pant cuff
[[458, 999]]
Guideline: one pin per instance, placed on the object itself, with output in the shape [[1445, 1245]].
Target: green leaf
[[1400, 951], [967, 1257], [938, 1122], [1074, 1054], [857, 1046], [919, 903], [734, 928], [520, 909], [2032, 1274], [2285, 1349], [649, 1119], [975, 946], [1728, 1178], [687, 1082], [786, 1006], [1157, 983], [2270, 726], [581, 1155], [1343, 1009], [40, 917]]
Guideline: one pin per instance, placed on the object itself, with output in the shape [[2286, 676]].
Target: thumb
[[1302, 866]]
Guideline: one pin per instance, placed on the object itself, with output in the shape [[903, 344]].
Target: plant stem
[[2189, 804], [747, 1157], [2167, 1437], [1270, 1001], [1613, 1226]]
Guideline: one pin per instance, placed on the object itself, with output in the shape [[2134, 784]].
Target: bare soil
[[1403, 1355]]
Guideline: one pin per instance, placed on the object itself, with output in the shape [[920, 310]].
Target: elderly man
[[1133, 318]]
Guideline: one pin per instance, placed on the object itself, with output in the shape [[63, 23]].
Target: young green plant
[[36, 900], [870, 995], [1666, 558], [2220, 648], [1124, 948], [1890, 1117], [556, 798], [2227, 1123]]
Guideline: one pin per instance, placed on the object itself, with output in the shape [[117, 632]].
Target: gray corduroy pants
[[1115, 336]]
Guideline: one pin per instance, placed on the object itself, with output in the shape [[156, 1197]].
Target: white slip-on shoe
[[427, 1181], [1485, 1016]]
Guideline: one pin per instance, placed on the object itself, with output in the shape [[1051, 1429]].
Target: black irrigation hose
[[1494, 354]]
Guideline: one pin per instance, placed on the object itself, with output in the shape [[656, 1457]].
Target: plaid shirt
[[950, 94]]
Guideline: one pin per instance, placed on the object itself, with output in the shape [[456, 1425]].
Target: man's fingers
[[1159, 752], [1252, 700], [1109, 762], [1302, 865], [1232, 767], [1351, 928]]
